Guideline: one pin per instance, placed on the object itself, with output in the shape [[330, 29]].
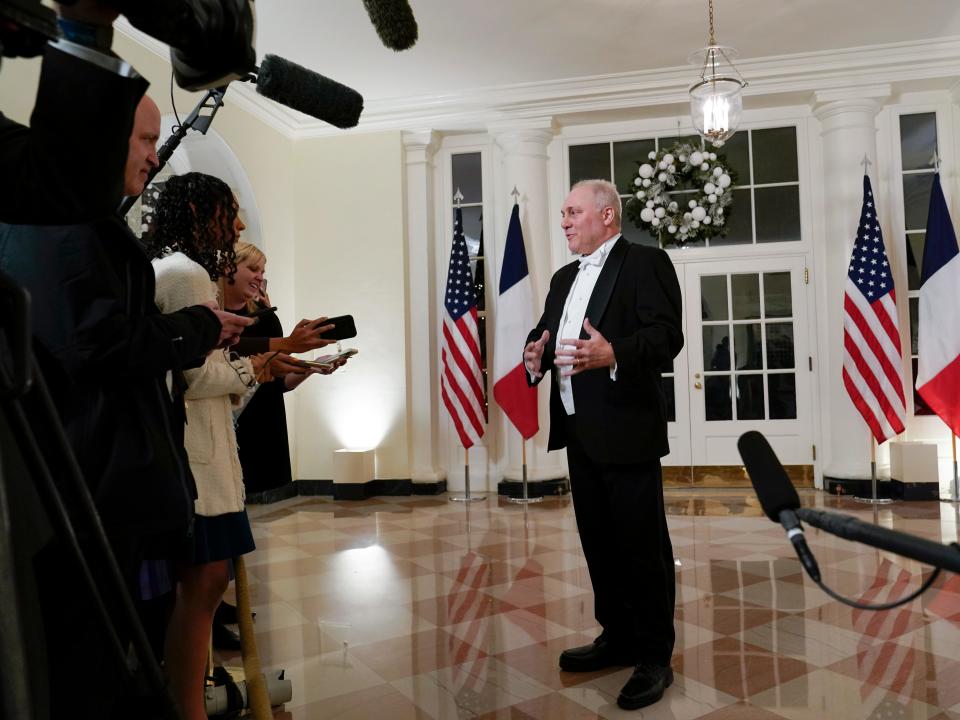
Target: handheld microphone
[[394, 22], [308, 92], [776, 494]]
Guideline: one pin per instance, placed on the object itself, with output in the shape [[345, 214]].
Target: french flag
[[514, 320], [938, 341]]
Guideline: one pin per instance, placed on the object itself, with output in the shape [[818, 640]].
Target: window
[[467, 175], [766, 205], [748, 351], [918, 143]]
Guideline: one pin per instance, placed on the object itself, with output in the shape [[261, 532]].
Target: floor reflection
[[422, 608]]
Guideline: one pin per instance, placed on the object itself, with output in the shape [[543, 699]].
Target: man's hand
[[579, 355], [306, 336], [533, 354], [230, 325]]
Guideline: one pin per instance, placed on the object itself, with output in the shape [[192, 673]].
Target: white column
[[523, 154], [848, 130], [423, 400]]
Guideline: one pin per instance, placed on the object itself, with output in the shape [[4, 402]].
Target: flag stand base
[[873, 482], [467, 498], [526, 499]]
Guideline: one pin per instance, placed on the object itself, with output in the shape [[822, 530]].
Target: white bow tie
[[596, 259]]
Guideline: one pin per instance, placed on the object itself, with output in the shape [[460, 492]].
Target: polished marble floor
[[417, 607]]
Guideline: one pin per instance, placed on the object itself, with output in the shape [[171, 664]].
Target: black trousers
[[623, 531]]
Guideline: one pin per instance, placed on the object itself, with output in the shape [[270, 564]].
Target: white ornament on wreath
[[697, 214]]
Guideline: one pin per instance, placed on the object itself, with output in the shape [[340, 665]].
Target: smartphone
[[262, 311], [326, 361], [345, 328]]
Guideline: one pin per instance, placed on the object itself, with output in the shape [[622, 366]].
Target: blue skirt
[[221, 537]]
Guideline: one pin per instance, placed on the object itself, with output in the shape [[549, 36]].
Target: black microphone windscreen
[[774, 489], [308, 92], [394, 22]]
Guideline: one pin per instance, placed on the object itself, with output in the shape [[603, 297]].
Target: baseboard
[[856, 487], [430, 488], [914, 491], [347, 491], [265, 497], [535, 488]]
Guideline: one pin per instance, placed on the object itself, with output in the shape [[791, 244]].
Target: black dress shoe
[[645, 686], [597, 655], [224, 638], [226, 614]]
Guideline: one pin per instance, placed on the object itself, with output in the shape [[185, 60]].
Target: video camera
[[211, 41]]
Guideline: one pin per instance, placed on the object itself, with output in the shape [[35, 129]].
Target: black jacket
[[67, 167], [636, 306], [262, 441], [108, 352]]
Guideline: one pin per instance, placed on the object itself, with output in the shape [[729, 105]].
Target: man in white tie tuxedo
[[611, 322]]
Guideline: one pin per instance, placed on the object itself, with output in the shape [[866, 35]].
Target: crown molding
[[481, 108]]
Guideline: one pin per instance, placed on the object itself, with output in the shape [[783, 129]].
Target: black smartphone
[[345, 328], [262, 311]]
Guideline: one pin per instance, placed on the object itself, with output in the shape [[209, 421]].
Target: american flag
[[462, 383], [871, 340]]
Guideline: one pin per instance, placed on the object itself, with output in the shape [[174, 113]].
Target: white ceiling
[[492, 43]]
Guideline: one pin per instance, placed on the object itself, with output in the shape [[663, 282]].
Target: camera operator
[[68, 165], [104, 349]]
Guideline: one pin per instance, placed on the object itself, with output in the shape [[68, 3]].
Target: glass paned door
[[747, 353]]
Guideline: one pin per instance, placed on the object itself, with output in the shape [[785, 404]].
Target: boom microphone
[[394, 22], [776, 494], [308, 92], [850, 528]]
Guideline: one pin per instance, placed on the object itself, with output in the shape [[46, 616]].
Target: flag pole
[[526, 499], [873, 500], [467, 497], [956, 482], [865, 213]]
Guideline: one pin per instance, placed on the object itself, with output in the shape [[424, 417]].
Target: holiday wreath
[[682, 195]]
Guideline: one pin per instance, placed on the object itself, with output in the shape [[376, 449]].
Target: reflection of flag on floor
[[466, 604], [887, 709], [938, 341], [871, 340], [945, 601], [514, 320], [884, 665]]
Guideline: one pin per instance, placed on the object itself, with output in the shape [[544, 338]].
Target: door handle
[[698, 386]]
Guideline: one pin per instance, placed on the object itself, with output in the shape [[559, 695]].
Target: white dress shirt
[[574, 310]]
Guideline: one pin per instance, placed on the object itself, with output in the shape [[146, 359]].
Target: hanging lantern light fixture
[[716, 99]]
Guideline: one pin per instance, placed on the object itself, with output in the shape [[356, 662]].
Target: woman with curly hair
[[195, 228]]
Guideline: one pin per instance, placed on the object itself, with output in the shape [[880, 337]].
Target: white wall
[[349, 259]]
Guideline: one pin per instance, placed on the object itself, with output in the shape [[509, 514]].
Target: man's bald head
[[142, 154]]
